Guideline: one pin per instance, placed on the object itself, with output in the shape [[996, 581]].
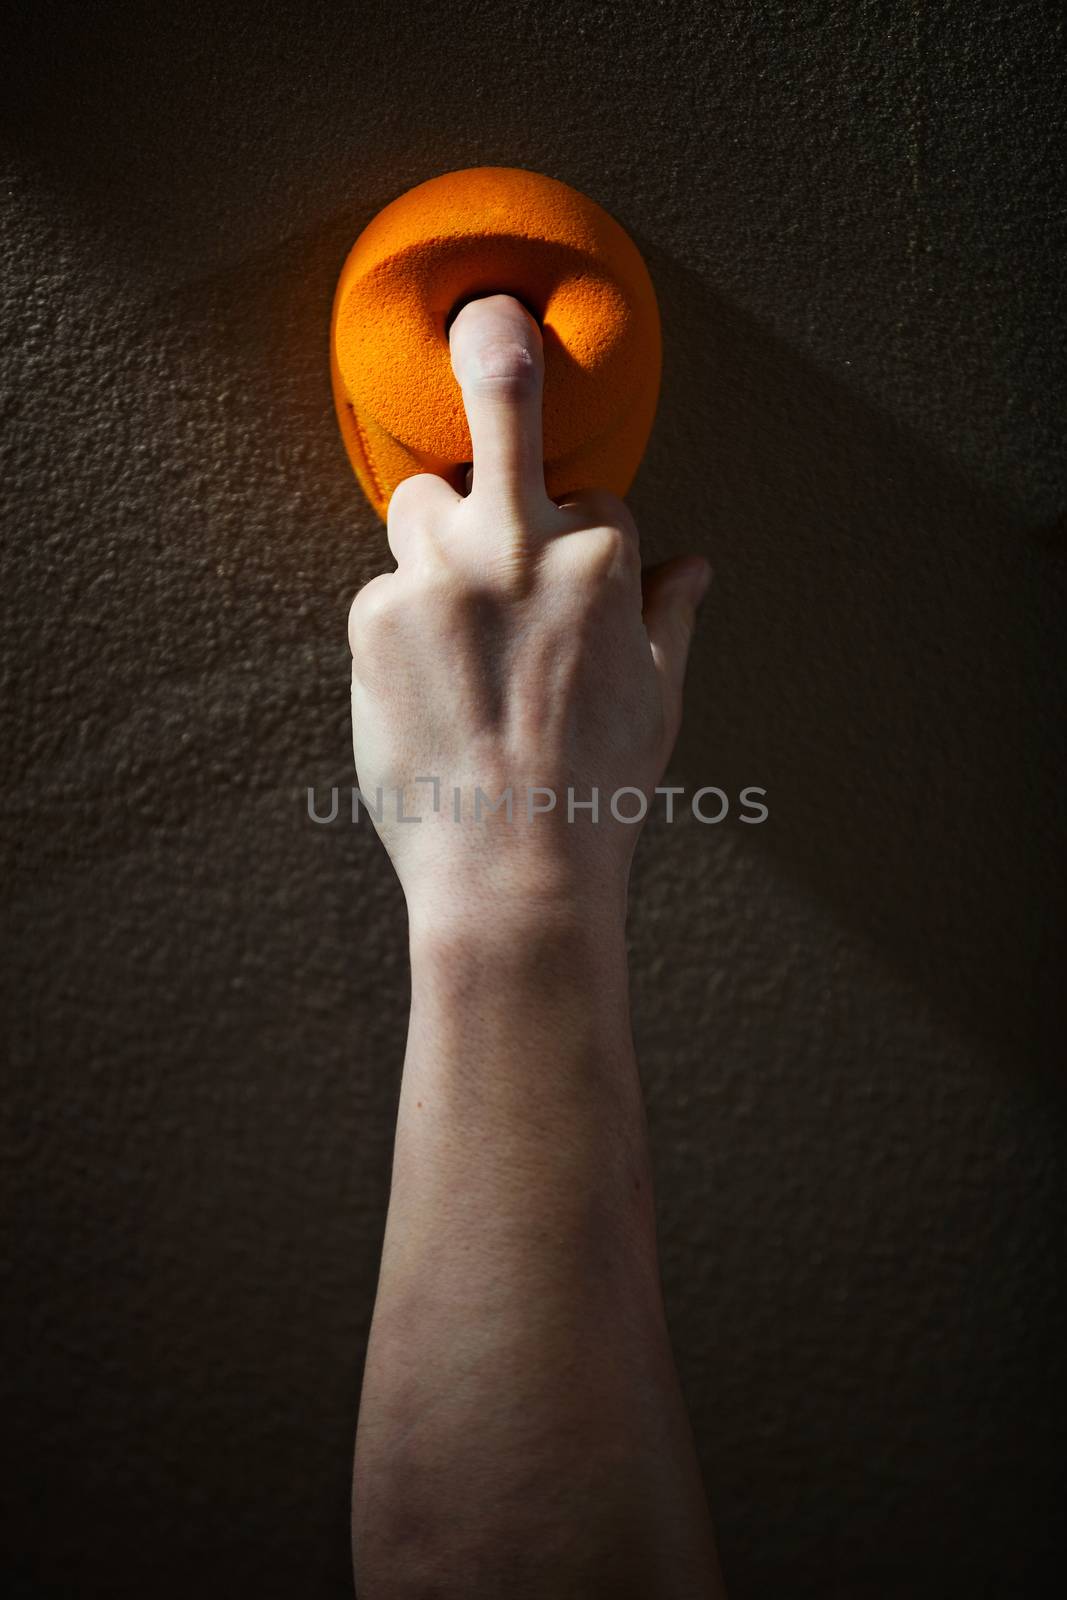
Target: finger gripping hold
[[467, 235]]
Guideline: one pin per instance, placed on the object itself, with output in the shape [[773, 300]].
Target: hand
[[518, 647]]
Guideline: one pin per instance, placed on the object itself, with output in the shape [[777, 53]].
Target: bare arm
[[521, 1429]]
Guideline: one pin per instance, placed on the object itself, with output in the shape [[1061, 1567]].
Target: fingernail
[[496, 343]]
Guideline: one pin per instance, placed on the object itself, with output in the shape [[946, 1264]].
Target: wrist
[[541, 936], [513, 879]]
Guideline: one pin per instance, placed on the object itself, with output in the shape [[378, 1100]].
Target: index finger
[[498, 360]]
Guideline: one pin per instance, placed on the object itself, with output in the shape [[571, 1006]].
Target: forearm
[[521, 1423]]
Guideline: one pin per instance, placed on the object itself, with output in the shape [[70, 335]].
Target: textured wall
[[846, 1018]]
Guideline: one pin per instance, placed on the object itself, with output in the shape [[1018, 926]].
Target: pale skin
[[521, 1429]]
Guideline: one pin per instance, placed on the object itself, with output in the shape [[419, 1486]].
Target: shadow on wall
[[881, 645], [880, 651]]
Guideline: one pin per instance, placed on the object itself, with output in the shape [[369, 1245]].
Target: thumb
[[671, 593]]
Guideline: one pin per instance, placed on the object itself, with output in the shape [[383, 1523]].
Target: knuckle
[[606, 552], [611, 509], [508, 570], [374, 614], [410, 498], [600, 506]]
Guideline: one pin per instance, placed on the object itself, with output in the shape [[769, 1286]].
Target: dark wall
[[847, 1018]]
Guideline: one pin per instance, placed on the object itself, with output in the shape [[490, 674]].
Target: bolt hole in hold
[[485, 294]]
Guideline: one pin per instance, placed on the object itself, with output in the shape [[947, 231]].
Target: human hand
[[516, 647]]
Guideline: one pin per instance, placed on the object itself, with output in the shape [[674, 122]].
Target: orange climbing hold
[[482, 231]]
